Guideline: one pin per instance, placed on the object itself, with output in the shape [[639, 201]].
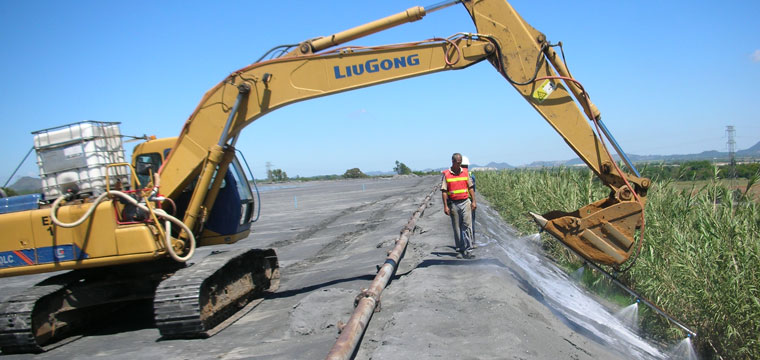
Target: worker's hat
[[465, 161]]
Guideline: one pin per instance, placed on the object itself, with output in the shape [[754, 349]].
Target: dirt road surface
[[330, 236]]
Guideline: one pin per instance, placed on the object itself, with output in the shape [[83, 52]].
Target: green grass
[[700, 260]]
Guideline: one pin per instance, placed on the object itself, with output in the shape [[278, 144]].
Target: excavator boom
[[602, 232]]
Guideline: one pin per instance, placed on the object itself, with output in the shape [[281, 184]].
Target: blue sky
[[668, 77]]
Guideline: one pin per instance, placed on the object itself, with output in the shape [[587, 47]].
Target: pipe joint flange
[[366, 293]]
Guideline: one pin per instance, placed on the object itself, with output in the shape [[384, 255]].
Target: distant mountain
[[712, 155], [489, 166], [435, 170], [496, 165], [27, 184], [550, 163], [380, 173], [753, 151]]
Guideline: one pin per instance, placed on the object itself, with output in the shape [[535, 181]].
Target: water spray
[[640, 298]]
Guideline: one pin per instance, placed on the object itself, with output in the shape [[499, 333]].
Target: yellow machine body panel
[[209, 237], [31, 243]]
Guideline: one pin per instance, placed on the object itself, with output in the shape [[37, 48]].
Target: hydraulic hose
[[78, 222], [158, 212]]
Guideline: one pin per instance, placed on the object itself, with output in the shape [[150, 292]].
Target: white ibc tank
[[75, 156]]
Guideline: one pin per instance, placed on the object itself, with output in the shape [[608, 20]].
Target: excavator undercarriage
[[188, 301]]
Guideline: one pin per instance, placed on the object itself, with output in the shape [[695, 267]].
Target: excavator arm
[[602, 232]]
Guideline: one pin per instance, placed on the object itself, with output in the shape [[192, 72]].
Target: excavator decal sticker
[[41, 255], [23, 257], [542, 92], [16, 258], [375, 65]]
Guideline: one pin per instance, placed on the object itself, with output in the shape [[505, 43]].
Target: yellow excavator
[[190, 191]]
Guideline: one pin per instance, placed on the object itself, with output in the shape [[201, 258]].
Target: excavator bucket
[[599, 232]]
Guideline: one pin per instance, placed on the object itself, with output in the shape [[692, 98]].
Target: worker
[[466, 165], [458, 203]]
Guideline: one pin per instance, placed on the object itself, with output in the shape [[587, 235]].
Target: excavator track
[[57, 310], [203, 299], [17, 334]]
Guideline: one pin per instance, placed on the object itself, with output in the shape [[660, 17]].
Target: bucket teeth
[[540, 220]]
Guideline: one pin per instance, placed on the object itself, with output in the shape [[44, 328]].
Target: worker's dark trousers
[[460, 212]]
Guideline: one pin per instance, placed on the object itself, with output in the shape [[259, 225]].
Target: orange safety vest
[[457, 184]]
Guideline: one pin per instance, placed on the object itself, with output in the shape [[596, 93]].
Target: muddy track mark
[[375, 219], [308, 233], [342, 241]]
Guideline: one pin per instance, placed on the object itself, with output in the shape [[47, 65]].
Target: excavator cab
[[231, 215]]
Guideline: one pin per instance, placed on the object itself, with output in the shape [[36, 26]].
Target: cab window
[[145, 164], [242, 186]]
